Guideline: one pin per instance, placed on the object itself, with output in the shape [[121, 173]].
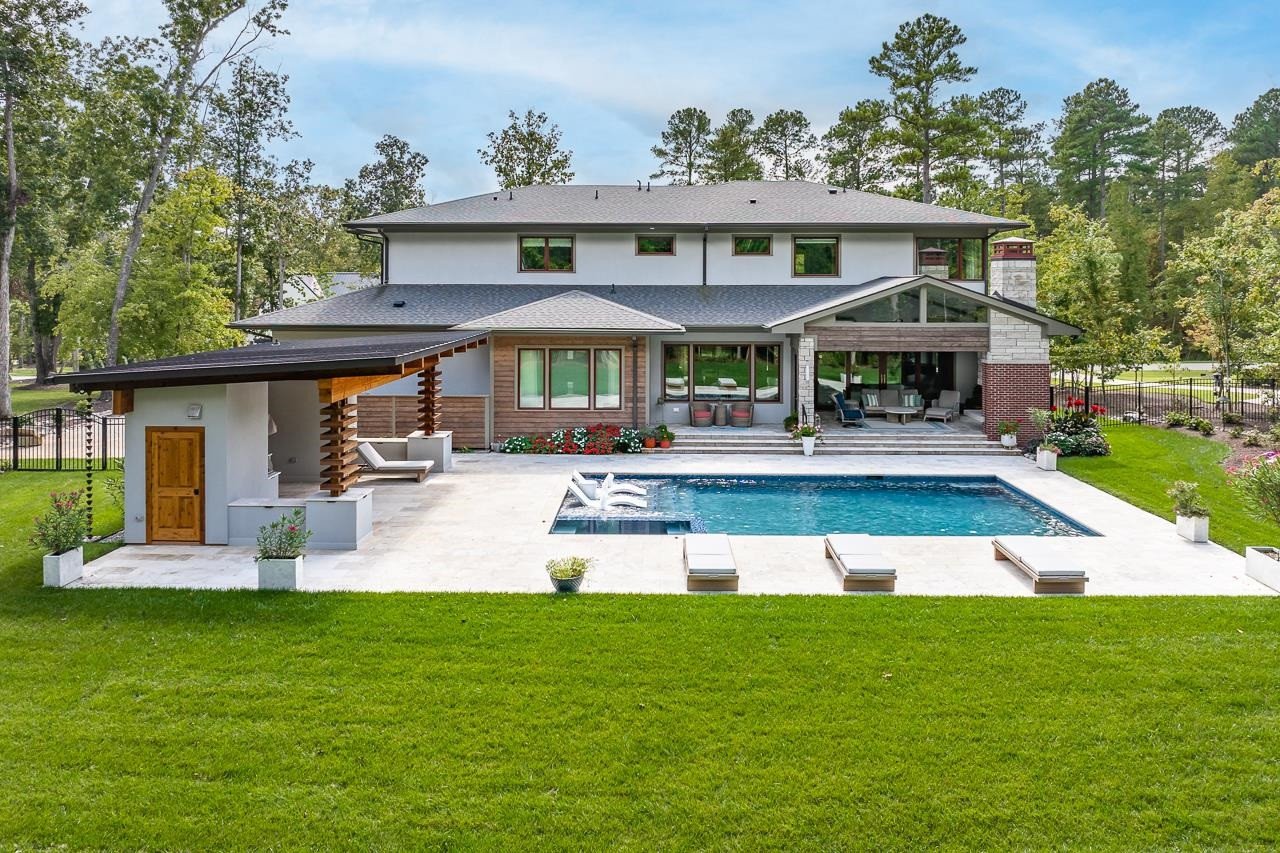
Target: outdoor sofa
[[877, 401], [1053, 565], [862, 566]]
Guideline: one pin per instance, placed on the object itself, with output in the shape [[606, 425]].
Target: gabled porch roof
[[879, 288], [573, 311]]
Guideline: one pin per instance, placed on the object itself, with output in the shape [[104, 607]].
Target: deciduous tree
[[527, 151]]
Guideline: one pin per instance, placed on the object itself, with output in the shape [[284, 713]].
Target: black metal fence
[[1231, 402], [61, 440]]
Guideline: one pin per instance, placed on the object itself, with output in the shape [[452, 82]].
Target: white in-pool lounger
[[606, 500], [860, 562], [607, 486], [709, 563], [1048, 561]]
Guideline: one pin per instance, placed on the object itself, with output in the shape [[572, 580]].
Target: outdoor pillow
[[742, 413], [870, 399], [912, 400]]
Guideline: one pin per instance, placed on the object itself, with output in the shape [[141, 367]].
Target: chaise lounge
[[708, 563], [861, 565], [374, 462], [1050, 565]]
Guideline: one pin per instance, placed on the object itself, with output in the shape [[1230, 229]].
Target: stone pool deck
[[483, 527]]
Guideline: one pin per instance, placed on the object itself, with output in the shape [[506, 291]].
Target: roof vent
[[495, 198], [597, 195], [751, 201], [399, 303]]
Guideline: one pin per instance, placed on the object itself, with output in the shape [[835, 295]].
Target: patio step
[[957, 445]]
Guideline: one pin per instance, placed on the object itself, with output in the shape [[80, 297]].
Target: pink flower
[[293, 528]]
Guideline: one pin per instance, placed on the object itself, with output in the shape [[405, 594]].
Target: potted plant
[[1008, 433], [650, 440], [790, 422], [1257, 482], [1047, 456], [567, 572], [280, 547], [1191, 511], [808, 434], [61, 532], [664, 436]]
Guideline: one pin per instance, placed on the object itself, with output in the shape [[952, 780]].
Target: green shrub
[[1232, 419], [1177, 419], [284, 538], [64, 527], [1252, 438], [1257, 481], [565, 568], [517, 444], [790, 421], [1236, 431], [1203, 426], [1187, 500]]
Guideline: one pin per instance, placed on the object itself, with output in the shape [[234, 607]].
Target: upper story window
[[966, 256], [815, 256], [918, 305], [753, 245], [655, 244], [546, 254]]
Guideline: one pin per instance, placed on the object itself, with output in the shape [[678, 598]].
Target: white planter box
[[808, 442], [1046, 461], [1259, 564], [280, 574], [1009, 440], [62, 569], [1194, 528]]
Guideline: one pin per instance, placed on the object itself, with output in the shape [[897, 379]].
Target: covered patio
[[220, 443]]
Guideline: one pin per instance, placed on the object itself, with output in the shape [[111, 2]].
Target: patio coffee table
[[901, 413]]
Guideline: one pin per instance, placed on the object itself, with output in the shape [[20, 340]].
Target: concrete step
[[898, 450]]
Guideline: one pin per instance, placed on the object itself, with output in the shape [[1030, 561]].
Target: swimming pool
[[816, 506]]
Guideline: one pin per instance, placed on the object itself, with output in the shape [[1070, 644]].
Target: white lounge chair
[[1049, 562], [709, 563], [606, 501], [411, 468], [862, 566], [594, 490]]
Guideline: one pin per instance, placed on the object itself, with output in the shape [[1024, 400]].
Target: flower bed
[[1073, 429], [596, 440]]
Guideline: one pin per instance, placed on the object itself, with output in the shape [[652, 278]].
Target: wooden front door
[[175, 481]]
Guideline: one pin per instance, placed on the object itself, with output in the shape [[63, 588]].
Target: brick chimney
[[933, 261], [1013, 270]]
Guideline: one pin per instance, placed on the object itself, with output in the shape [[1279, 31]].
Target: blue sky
[[444, 74]]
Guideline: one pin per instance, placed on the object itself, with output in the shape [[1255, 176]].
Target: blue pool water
[[815, 506]]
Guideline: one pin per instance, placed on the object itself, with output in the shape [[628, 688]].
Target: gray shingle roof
[[436, 306], [781, 203], [574, 311], [311, 359]]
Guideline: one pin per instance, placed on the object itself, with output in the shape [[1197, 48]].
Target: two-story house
[[621, 304]]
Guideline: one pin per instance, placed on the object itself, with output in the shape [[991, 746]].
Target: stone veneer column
[[1015, 371], [806, 364]]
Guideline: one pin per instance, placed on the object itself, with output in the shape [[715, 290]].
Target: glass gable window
[[966, 256], [901, 307], [608, 379], [753, 245], [532, 376], [946, 307], [546, 254], [816, 256], [768, 373], [675, 371], [649, 244], [570, 379]]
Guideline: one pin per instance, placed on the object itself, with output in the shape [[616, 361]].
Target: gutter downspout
[[705, 228], [382, 252], [635, 377]]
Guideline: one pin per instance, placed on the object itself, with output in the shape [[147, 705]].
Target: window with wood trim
[[815, 256], [655, 244], [569, 378], [722, 372], [966, 256], [758, 245], [546, 254]]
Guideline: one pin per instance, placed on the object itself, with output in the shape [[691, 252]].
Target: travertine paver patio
[[484, 527]]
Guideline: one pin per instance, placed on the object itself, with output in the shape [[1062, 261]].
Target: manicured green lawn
[[28, 399], [1146, 460], [177, 719]]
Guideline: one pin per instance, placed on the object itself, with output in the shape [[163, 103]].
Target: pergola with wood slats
[[341, 367]]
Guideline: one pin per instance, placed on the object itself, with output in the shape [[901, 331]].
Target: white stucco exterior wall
[[603, 258], [295, 448], [234, 419]]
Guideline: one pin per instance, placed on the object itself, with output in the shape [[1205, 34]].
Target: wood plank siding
[[396, 415], [896, 337]]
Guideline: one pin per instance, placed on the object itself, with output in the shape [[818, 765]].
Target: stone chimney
[[1013, 270], [933, 261]]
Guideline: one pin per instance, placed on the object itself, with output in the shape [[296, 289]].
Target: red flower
[[293, 528], [1053, 408], [1102, 410]]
